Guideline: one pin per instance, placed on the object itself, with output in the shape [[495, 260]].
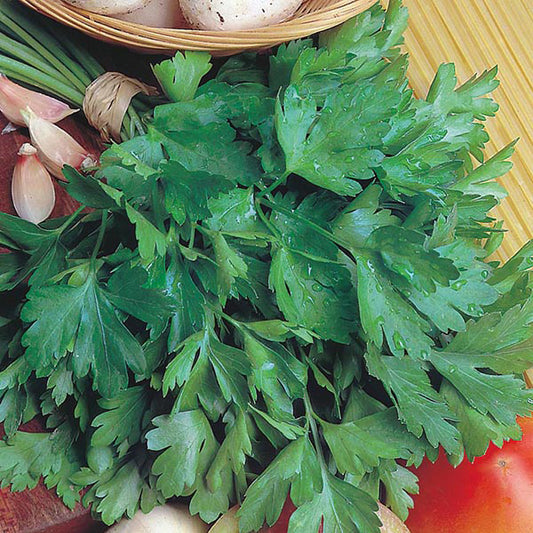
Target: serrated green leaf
[[119, 494], [295, 469], [231, 265], [323, 146], [477, 429], [234, 214], [500, 344], [60, 382], [371, 34], [316, 295], [185, 437], [420, 406], [339, 507], [127, 290], [399, 484], [231, 456], [61, 314], [481, 182], [25, 457], [283, 61], [203, 144], [151, 240], [22, 234], [86, 189], [359, 446], [187, 193], [131, 405], [276, 372], [188, 302], [180, 76], [386, 314]]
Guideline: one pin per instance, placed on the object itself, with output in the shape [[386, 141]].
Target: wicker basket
[[313, 16]]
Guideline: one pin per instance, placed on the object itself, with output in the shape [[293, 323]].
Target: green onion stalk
[[32, 55]]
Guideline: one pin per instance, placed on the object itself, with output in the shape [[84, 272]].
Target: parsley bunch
[[280, 289]]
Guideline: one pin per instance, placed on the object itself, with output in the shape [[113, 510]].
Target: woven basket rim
[[133, 35]]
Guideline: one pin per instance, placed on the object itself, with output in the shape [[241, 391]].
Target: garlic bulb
[[237, 14], [32, 188], [56, 148], [14, 99]]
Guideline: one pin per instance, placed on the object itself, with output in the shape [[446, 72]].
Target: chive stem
[[100, 238], [40, 79], [56, 59], [25, 54]]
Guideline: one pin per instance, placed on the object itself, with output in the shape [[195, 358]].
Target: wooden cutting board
[[39, 510]]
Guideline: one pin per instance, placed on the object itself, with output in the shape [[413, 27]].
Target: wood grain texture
[[313, 16], [40, 510], [476, 35]]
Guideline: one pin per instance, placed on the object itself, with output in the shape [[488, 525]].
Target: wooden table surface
[[40, 510]]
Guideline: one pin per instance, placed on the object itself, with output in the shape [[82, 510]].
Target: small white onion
[[227, 523], [164, 519]]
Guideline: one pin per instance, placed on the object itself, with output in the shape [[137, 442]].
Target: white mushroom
[[237, 14], [109, 7], [157, 14]]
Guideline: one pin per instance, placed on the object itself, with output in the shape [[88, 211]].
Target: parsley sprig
[[281, 289]]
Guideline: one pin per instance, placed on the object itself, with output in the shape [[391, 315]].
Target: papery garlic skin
[[14, 99], [55, 147], [32, 188]]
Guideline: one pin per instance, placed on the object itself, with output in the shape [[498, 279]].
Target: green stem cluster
[[31, 54]]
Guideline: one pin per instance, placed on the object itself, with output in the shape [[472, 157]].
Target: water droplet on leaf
[[398, 342]]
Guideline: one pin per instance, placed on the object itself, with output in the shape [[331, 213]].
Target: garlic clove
[[14, 98], [32, 188], [55, 147]]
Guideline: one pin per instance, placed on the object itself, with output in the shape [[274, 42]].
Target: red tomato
[[492, 495]]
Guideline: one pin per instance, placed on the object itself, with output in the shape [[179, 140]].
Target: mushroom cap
[[237, 14], [109, 7]]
